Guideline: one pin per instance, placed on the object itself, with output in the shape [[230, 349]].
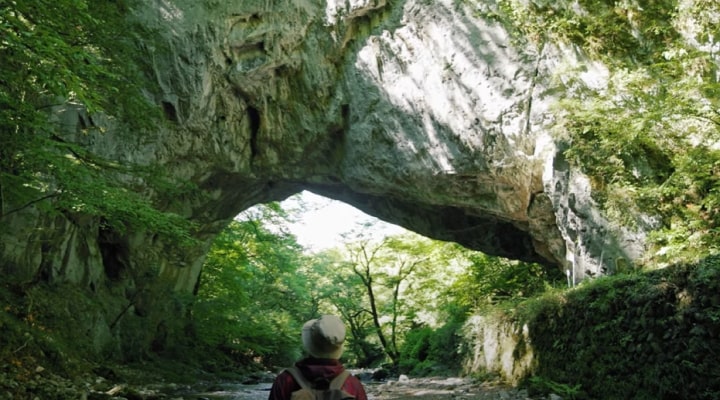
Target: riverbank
[[147, 382], [429, 388]]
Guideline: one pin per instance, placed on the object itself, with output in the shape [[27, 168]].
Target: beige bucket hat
[[323, 337]]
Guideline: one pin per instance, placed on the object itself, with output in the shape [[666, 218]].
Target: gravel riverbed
[[41, 386], [394, 389]]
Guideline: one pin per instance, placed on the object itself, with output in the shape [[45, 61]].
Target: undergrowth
[[652, 335]]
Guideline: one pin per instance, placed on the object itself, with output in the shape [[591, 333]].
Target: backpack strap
[[299, 377], [336, 383], [339, 381]]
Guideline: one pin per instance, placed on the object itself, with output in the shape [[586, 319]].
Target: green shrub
[[428, 351], [415, 349], [444, 344], [546, 386], [649, 335]]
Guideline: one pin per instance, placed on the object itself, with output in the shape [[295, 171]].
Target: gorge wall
[[425, 114]]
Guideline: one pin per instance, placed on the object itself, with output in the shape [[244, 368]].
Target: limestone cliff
[[424, 114]]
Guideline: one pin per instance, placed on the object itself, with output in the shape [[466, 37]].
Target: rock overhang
[[425, 105], [423, 114]]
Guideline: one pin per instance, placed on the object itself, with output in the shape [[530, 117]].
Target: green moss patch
[[642, 336]]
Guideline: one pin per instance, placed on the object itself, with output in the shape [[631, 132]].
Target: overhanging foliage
[[81, 54]]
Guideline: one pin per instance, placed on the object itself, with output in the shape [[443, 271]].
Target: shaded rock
[[380, 375]]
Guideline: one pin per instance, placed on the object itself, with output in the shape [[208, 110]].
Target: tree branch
[[56, 194]]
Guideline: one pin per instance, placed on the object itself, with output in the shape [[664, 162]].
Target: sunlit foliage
[[648, 138], [252, 301], [403, 298], [84, 55]]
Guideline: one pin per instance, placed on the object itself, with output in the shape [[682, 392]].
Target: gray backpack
[[308, 392]]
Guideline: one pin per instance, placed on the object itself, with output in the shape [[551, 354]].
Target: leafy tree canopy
[[648, 138], [83, 53], [252, 301]]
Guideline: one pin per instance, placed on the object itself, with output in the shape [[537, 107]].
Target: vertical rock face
[[420, 113], [497, 346]]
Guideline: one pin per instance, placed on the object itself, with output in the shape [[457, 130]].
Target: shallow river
[[415, 389], [233, 392]]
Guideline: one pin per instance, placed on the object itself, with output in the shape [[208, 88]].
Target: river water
[[402, 389], [232, 391]]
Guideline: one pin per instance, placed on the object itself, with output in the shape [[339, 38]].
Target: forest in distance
[[408, 300], [647, 142], [403, 296]]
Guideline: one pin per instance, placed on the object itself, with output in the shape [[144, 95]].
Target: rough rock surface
[[423, 114], [497, 346]]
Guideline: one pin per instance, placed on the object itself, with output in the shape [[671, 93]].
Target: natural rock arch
[[424, 115]]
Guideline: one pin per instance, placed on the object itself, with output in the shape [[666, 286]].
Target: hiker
[[323, 340]]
